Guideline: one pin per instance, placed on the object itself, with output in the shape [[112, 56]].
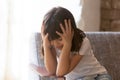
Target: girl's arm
[[66, 62], [50, 60], [49, 53]]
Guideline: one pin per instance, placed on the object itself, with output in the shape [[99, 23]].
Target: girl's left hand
[[67, 34]]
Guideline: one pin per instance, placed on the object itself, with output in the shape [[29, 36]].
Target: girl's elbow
[[51, 72], [61, 73]]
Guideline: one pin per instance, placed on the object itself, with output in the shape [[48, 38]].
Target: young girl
[[66, 49]]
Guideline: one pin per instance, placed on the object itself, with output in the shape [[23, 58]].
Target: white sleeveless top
[[88, 65]]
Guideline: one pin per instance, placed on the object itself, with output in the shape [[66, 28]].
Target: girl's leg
[[97, 77], [103, 77], [91, 77]]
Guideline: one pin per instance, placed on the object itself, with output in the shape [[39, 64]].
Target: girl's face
[[57, 43]]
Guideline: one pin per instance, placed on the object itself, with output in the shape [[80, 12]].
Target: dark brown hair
[[52, 22]]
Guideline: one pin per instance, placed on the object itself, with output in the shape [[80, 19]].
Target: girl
[[66, 49]]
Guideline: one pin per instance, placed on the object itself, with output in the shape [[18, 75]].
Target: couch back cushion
[[106, 47]]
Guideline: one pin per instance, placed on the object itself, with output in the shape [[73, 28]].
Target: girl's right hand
[[42, 32], [46, 42]]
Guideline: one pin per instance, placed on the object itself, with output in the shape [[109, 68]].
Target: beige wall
[[90, 17]]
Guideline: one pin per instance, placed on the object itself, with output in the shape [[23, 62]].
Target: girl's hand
[[67, 34], [64, 58], [46, 42]]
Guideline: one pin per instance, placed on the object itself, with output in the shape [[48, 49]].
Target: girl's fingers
[[72, 33], [42, 28], [68, 28], [59, 33], [42, 31], [69, 24], [46, 36], [66, 25], [62, 28]]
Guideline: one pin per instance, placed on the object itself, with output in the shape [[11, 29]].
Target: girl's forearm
[[50, 61], [64, 61]]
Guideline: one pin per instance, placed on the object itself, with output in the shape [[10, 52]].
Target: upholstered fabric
[[106, 47]]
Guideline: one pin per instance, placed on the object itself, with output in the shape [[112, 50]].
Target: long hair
[[52, 20]]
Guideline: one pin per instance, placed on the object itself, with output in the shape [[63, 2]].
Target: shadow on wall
[[90, 16]]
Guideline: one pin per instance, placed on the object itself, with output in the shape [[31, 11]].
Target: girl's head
[[52, 22]]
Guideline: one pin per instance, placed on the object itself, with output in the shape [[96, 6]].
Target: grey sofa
[[106, 47]]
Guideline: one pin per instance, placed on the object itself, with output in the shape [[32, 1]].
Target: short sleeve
[[85, 47]]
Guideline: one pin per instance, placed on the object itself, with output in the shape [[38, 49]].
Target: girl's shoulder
[[86, 41], [85, 47]]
